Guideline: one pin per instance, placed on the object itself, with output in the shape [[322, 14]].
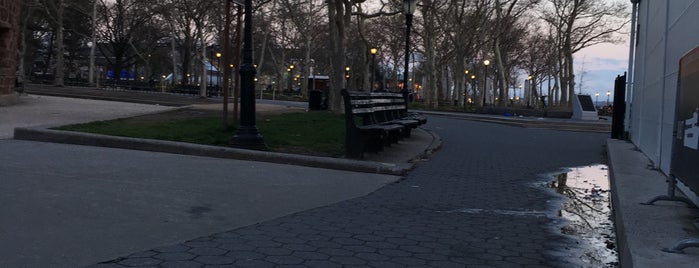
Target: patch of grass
[[314, 133]]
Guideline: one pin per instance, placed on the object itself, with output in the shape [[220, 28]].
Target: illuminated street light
[[485, 79], [373, 52], [218, 66]]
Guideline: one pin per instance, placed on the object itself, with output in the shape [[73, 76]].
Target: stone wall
[[9, 29]]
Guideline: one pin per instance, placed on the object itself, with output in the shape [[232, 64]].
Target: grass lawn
[[313, 133]]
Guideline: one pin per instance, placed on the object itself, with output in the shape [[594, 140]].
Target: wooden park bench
[[376, 119]]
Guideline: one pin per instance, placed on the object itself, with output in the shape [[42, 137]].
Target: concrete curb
[[528, 123], [69, 137], [431, 149]]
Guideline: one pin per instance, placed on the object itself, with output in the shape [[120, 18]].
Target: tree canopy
[[149, 40]]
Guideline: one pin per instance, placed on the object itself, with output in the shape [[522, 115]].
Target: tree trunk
[[337, 14], [306, 68], [571, 80], [186, 59], [60, 47], [502, 80], [93, 47], [204, 74], [23, 47], [236, 61], [432, 90], [174, 54]]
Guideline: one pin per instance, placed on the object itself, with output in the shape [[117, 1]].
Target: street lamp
[[473, 89], [247, 135], [347, 76], [608, 93], [532, 89], [232, 66], [226, 61], [373, 52], [408, 10], [290, 70], [520, 92], [485, 80], [211, 70], [465, 93], [218, 67], [596, 98]]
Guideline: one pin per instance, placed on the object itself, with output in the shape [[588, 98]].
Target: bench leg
[[354, 144]]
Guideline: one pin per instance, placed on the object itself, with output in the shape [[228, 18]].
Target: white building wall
[[667, 30]]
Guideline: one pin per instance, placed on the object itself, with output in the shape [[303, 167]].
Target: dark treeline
[[529, 45]]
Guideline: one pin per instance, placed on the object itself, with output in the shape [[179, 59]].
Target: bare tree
[[539, 64], [507, 16], [303, 17], [54, 9], [579, 24], [371, 22], [339, 14], [392, 48], [28, 11], [430, 34], [130, 31]]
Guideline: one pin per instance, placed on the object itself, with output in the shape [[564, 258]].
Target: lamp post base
[[248, 137]]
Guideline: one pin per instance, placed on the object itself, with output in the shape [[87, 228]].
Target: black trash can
[[315, 100]]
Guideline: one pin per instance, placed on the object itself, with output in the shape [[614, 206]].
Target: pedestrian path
[[35, 110], [482, 167], [70, 206], [476, 203]]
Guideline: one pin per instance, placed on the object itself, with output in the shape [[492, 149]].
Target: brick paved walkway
[[476, 203]]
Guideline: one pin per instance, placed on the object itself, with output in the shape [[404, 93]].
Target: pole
[[226, 60], [247, 135], [93, 47], [289, 83], [218, 75], [485, 84], [408, 24], [373, 70], [211, 69], [236, 87]]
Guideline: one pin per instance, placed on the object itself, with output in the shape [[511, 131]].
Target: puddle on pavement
[[587, 211]]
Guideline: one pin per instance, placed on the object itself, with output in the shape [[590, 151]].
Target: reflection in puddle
[[588, 212]]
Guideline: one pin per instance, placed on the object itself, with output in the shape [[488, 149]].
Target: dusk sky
[[602, 63]]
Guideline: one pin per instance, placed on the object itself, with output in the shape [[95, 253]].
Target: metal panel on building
[[685, 153]]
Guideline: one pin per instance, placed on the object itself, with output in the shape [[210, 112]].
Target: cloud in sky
[[601, 64]]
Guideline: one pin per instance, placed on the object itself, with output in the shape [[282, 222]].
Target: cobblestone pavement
[[476, 203]]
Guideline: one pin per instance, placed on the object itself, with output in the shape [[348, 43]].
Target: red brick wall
[[9, 13]]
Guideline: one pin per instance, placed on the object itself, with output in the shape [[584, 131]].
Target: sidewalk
[[643, 230], [47, 111]]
